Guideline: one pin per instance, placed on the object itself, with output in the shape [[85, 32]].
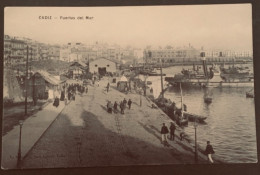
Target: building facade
[[103, 66], [170, 55]]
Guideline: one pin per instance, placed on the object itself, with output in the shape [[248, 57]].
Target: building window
[[108, 65], [95, 65]]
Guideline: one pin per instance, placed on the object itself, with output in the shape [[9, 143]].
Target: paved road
[[84, 134]]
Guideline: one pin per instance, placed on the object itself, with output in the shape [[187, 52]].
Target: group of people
[[165, 131], [122, 105], [71, 90]]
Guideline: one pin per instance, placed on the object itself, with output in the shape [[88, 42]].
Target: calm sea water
[[230, 125]]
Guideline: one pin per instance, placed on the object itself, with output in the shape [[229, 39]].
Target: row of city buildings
[[15, 52], [191, 54]]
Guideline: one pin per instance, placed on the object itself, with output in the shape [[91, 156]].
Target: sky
[[226, 27]]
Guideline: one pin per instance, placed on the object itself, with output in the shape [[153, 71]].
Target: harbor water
[[230, 124]]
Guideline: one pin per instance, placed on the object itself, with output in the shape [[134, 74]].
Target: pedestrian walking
[[129, 88], [62, 96], [172, 131], [122, 107], [74, 96], [164, 132], [86, 89], [115, 107], [209, 150], [129, 103], [109, 107], [35, 99], [108, 87], [98, 83], [124, 101], [181, 136], [69, 95], [56, 102], [151, 90], [125, 89]]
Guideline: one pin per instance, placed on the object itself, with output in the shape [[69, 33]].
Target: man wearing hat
[[172, 131], [209, 150], [164, 132]]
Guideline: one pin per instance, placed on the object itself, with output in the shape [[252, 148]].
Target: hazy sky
[[211, 26]]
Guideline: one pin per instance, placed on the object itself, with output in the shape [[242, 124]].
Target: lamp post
[[196, 148], [19, 157], [19, 161]]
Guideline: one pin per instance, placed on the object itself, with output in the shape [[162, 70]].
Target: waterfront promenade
[[32, 130], [84, 134]]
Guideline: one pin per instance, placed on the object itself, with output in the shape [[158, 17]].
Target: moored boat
[[208, 99], [151, 73], [213, 79], [192, 117]]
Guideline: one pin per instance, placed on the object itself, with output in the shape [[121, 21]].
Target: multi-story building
[[65, 54], [171, 55], [54, 52], [227, 55], [7, 49], [43, 51], [17, 52]]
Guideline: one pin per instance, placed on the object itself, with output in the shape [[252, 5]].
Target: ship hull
[[214, 84]]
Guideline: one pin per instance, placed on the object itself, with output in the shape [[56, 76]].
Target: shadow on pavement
[[86, 142]]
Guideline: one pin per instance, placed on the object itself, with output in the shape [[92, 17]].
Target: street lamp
[[196, 148], [19, 157]]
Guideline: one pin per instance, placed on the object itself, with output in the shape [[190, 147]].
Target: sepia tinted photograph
[[128, 85]]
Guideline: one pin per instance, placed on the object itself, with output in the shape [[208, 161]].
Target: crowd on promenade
[[69, 92], [122, 105]]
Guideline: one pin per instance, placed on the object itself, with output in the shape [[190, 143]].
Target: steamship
[[204, 77]]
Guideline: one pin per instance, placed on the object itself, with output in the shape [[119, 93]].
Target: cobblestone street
[[84, 134]]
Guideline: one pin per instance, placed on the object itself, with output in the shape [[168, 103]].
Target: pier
[[85, 134]]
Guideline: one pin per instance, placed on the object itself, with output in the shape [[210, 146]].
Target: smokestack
[[202, 54]]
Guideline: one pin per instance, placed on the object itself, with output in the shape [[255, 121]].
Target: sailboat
[[182, 120], [187, 116]]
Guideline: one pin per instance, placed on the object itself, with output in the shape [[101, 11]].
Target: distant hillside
[[47, 65]]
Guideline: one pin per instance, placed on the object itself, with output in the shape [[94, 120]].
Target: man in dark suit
[[209, 150]]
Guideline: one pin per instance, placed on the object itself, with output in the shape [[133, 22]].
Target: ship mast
[[161, 80], [181, 102]]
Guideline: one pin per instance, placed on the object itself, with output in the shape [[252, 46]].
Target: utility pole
[[196, 148], [140, 92], [30, 61], [26, 82]]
